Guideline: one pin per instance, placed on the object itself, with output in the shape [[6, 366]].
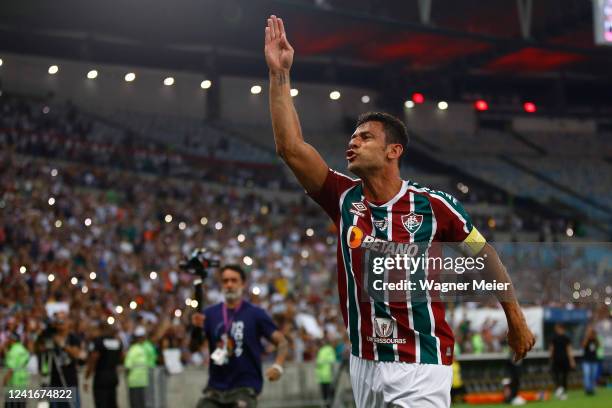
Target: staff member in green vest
[[16, 360], [326, 357], [137, 361]]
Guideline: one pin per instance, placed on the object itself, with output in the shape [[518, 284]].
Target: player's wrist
[[279, 72]]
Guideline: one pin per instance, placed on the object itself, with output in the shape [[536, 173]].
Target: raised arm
[[303, 159]]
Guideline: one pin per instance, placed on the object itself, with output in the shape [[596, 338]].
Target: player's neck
[[381, 187]]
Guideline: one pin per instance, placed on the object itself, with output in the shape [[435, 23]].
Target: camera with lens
[[198, 263]]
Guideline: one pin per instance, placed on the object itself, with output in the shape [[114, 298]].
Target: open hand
[[278, 51]]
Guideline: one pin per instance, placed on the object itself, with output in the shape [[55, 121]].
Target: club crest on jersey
[[383, 326], [381, 224], [412, 222], [358, 209]]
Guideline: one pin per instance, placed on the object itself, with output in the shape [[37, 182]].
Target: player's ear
[[394, 151]]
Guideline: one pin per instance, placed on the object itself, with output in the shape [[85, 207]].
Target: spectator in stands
[[562, 360], [590, 344]]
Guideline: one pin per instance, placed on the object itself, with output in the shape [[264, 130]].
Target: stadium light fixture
[[256, 89], [205, 84], [294, 92], [365, 99], [334, 95], [530, 107], [409, 104], [481, 105], [169, 81], [74, 280], [443, 105], [93, 74], [93, 276], [53, 69], [418, 97], [110, 320], [51, 277], [118, 309], [22, 269], [129, 77]]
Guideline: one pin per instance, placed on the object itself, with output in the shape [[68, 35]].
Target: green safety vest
[[17, 360], [326, 357], [151, 353], [137, 362]]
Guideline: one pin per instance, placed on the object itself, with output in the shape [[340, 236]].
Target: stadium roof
[[384, 44]]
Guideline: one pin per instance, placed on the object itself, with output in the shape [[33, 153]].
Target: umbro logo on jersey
[[381, 224], [358, 209], [412, 222]]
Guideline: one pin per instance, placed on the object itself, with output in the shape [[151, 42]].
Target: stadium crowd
[[101, 228]]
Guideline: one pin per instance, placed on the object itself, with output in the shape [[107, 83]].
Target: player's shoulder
[[430, 193], [342, 180]]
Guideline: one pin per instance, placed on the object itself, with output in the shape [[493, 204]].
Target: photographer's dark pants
[[235, 398], [105, 397]]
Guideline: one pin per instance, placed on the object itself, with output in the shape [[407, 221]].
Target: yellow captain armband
[[473, 243]]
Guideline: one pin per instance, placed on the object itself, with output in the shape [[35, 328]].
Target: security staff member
[[233, 330], [104, 358]]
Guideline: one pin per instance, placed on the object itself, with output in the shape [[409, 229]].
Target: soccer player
[[401, 352]]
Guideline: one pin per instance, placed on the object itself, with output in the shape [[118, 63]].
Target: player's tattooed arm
[[303, 159]]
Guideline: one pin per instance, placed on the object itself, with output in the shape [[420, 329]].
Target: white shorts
[[379, 384]]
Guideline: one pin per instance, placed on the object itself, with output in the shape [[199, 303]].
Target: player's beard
[[232, 295]]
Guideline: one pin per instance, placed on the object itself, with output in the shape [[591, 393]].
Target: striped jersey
[[414, 330]]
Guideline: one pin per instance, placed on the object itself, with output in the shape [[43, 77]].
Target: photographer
[[105, 354], [233, 330], [61, 350]]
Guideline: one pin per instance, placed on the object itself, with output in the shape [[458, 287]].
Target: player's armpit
[[307, 164]]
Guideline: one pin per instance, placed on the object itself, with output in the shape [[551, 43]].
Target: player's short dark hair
[[235, 268], [395, 130]]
